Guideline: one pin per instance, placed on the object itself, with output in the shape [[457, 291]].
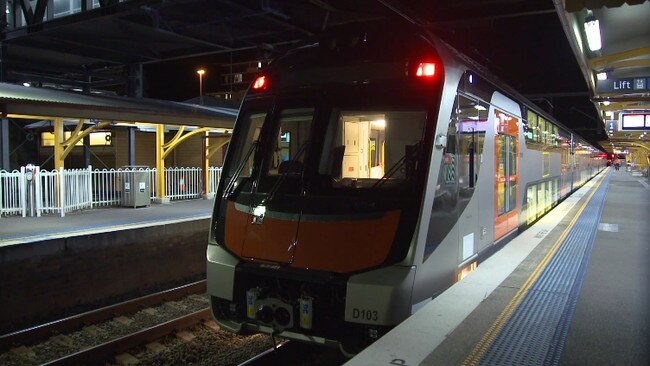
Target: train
[[367, 172]]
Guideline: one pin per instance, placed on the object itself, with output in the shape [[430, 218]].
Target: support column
[[4, 144], [206, 165], [161, 196], [87, 151], [58, 144], [131, 143]]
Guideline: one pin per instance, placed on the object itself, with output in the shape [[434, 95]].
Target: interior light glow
[[467, 270], [471, 79], [380, 123], [480, 107], [601, 76], [592, 29], [260, 83], [26, 84], [606, 103], [426, 69]]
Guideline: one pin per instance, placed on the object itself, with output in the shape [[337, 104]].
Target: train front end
[[313, 226]]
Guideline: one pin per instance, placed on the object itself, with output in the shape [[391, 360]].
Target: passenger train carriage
[[366, 174]]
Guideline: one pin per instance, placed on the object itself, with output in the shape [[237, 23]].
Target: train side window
[[532, 132], [531, 204]]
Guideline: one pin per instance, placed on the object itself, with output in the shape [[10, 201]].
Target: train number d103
[[364, 314]]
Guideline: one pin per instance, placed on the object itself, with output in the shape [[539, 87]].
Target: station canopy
[[17, 101]]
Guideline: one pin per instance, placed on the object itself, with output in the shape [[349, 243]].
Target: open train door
[[506, 173]]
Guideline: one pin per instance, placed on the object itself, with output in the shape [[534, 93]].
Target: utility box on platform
[[136, 189]]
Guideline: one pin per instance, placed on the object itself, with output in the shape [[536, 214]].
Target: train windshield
[[297, 147], [371, 148]]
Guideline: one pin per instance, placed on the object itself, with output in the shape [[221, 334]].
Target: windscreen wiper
[[410, 155], [289, 169], [230, 187]]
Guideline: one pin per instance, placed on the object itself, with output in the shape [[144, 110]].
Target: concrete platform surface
[[17, 230]]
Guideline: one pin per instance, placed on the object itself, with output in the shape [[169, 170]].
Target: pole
[[200, 72]]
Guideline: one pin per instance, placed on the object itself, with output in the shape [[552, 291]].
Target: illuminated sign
[[611, 125], [635, 121], [625, 85]]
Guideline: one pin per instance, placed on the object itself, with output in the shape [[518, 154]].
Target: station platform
[[19, 230], [52, 266], [573, 289]]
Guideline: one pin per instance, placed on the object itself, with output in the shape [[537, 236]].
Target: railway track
[[167, 328], [58, 342], [34, 334]]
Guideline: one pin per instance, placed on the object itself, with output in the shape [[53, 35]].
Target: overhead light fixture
[[601, 76], [606, 103], [592, 29], [27, 84]]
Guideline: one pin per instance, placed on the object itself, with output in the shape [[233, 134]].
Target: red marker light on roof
[[426, 69], [260, 83]]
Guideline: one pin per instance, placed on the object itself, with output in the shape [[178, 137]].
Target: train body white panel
[[381, 296], [220, 268]]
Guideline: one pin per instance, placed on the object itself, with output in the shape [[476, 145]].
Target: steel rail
[[34, 334], [97, 354]]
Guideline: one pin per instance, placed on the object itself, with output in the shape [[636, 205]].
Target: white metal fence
[[215, 176], [183, 183], [32, 191], [12, 192]]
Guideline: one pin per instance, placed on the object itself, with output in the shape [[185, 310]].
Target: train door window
[[512, 173], [471, 123], [506, 162], [556, 136], [501, 173]]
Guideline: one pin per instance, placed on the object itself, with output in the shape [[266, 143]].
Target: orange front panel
[[273, 240], [235, 228], [345, 246]]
